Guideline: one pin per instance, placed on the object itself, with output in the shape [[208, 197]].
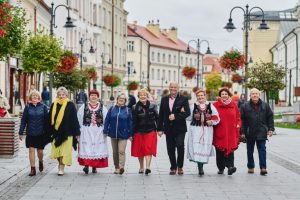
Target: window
[[109, 20], [174, 59], [158, 74], [152, 74], [152, 56], [169, 59], [164, 74], [174, 75], [169, 75], [186, 61], [158, 57], [181, 60], [164, 58], [191, 61], [196, 62], [130, 46], [104, 18]]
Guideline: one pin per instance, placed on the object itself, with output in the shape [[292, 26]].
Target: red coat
[[227, 132]]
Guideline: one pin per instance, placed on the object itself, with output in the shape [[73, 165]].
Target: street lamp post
[[68, 24], [188, 51], [103, 62], [92, 50], [230, 27], [128, 73]]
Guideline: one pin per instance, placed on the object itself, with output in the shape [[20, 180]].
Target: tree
[[41, 54], [13, 32], [213, 82], [267, 77]]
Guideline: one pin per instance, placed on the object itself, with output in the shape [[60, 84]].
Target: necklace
[[93, 106]]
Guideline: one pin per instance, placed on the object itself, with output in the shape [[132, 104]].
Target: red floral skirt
[[144, 144], [96, 163]]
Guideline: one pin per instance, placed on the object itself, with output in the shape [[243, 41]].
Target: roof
[[44, 5], [214, 61], [287, 26], [162, 41], [282, 15]]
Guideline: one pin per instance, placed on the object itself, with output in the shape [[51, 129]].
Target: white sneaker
[[117, 171], [61, 170]]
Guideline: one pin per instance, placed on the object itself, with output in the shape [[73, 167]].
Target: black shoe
[[86, 169], [231, 170], [141, 171], [201, 172], [263, 172], [94, 170], [122, 171], [41, 165], [221, 171], [147, 171]]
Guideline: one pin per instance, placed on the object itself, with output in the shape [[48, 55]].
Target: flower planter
[[132, 85], [232, 60], [111, 80], [189, 72]]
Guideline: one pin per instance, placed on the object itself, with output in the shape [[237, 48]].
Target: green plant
[[213, 82]]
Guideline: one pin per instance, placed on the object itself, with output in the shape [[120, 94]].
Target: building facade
[[158, 56]]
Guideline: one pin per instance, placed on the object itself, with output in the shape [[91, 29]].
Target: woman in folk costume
[[227, 132], [64, 129], [204, 117], [93, 150]]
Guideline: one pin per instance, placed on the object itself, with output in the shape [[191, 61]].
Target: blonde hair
[[143, 91], [34, 92], [62, 89]]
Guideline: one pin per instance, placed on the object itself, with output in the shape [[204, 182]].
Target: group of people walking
[[215, 129]]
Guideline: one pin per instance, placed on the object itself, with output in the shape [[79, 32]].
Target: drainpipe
[[297, 58], [285, 63]]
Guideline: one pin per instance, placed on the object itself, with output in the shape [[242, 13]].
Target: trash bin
[[9, 137]]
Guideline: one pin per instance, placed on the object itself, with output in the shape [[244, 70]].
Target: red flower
[[189, 72]]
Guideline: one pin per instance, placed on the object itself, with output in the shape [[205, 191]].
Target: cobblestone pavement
[[282, 182]]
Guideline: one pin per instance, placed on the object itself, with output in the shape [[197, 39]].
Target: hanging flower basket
[[236, 78], [111, 80], [92, 73], [132, 85], [189, 72], [5, 16], [226, 84], [68, 63], [232, 60]]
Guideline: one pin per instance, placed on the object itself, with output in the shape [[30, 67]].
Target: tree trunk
[[268, 96]]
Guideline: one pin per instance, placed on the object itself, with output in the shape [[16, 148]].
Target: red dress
[[227, 132], [144, 144]]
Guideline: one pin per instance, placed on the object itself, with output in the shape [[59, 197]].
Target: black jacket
[[255, 125], [179, 124], [68, 127], [145, 117], [131, 101]]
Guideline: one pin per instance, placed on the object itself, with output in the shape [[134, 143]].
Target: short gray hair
[[62, 89], [255, 90], [121, 94]]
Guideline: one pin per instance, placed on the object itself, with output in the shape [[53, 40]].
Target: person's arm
[[107, 121], [6, 104], [129, 122], [80, 115], [238, 121], [215, 118], [24, 120], [270, 118], [243, 119], [74, 120], [161, 116], [134, 119], [183, 114]]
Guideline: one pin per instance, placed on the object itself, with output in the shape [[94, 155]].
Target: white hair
[[62, 89], [254, 90]]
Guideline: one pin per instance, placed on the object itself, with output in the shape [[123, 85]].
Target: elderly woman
[[64, 129], [204, 117], [92, 144], [118, 126], [144, 141], [227, 132], [34, 118], [4, 105]]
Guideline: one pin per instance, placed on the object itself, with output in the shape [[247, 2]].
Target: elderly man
[[258, 124], [174, 109]]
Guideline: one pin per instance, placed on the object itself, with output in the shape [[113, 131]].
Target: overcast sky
[[202, 19]]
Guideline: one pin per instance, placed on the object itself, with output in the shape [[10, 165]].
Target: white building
[[286, 53], [158, 56]]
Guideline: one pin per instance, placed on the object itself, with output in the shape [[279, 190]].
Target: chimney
[[154, 28], [134, 25], [172, 34]]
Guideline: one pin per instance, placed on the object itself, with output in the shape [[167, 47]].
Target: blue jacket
[[35, 119], [118, 122]]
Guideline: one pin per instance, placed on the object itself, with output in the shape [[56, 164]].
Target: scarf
[[63, 103], [227, 101]]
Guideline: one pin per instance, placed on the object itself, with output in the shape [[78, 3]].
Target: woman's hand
[[78, 138], [209, 122], [21, 137], [130, 138]]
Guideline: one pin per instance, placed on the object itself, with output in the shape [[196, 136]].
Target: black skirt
[[35, 141]]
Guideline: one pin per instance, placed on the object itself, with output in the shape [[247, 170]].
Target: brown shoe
[[32, 172], [173, 172], [263, 172], [180, 171], [41, 166], [251, 171]]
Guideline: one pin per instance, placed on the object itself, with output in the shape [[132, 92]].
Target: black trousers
[[175, 140], [223, 161]]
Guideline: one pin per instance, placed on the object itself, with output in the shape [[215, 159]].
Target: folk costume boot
[[200, 169], [86, 169], [94, 170], [32, 172]]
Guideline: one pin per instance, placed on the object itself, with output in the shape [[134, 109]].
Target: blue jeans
[[262, 154]]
